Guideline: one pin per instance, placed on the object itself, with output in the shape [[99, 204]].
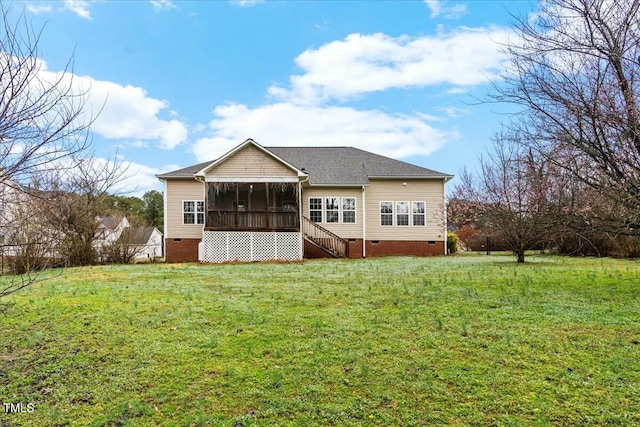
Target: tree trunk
[[520, 256]]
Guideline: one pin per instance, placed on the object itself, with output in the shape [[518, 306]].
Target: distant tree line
[[145, 210], [564, 171]]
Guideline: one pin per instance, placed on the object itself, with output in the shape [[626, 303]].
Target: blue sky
[[181, 82]]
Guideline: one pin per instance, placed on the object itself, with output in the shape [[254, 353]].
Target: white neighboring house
[[23, 230], [109, 230], [9, 203], [145, 241]]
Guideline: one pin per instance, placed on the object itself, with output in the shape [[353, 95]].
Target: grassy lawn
[[463, 340]]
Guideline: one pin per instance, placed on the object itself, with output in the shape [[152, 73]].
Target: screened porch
[[258, 206]]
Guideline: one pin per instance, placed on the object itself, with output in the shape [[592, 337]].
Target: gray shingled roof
[[136, 235], [335, 165], [111, 222], [347, 165], [185, 172]]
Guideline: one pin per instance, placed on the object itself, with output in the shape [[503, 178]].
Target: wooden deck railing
[[252, 220], [324, 238]]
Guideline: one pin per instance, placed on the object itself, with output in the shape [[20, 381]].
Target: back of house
[[262, 203]]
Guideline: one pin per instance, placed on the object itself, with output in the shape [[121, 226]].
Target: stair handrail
[[324, 238]]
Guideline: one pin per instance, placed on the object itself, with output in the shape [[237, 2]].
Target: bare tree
[[42, 125], [507, 198], [42, 116], [75, 194], [575, 73]]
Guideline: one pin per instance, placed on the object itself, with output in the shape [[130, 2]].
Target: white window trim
[[355, 210], [326, 211], [321, 210], [340, 210], [393, 213], [195, 212], [397, 212], [423, 214]]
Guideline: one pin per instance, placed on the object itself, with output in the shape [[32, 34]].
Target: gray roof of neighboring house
[[335, 165], [111, 222], [136, 235]]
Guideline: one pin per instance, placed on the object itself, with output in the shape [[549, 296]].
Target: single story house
[[260, 203]]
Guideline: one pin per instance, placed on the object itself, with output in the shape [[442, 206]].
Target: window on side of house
[[315, 209], [193, 212], [200, 212], [418, 214], [402, 213], [386, 213], [349, 210], [332, 209]]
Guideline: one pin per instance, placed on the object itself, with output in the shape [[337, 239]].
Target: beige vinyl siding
[[346, 231], [177, 191], [416, 190], [251, 162]]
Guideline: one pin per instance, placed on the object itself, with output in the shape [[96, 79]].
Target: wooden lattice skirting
[[222, 246]]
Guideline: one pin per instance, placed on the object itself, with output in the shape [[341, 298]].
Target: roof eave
[[175, 176], [445, 177], [366, 184]]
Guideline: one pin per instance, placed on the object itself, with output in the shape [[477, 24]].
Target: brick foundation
[[355, 248], [311, 251], [399, 247], [186, 250], [182, 250], [404, 247], [382, 248]]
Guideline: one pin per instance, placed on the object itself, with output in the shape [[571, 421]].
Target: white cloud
[[441, 7], [246, 3], [130, 113], [40, 8], [123, 112], [369, 63], [286, 124], [79, 7], [454, 112], [139, 178], [163, 4]]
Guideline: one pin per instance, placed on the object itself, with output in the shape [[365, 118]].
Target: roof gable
[[249, 159]]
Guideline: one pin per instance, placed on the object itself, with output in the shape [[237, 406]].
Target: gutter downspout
[[206, 213], [300, 215], [164, 221], [364, 224], [444, 208]]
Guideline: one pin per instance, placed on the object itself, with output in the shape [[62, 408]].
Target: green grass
[[463, 340]]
